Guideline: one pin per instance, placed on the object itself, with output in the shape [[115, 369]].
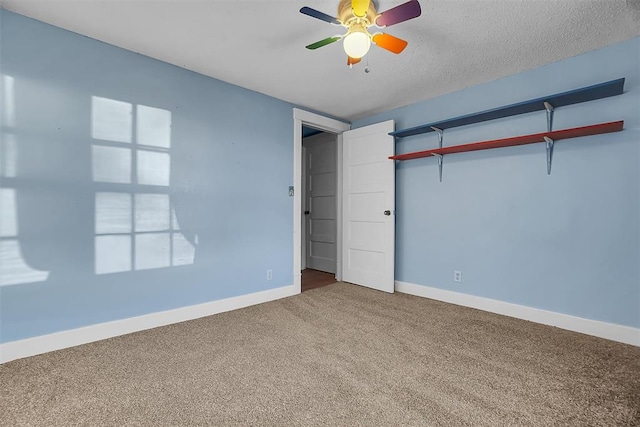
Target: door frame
[[326, 124], [303, 198]]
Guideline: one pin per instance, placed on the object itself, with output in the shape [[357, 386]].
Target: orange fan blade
[[390, 43], [352, 61], [360, 7]]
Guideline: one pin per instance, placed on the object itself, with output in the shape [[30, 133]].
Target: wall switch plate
[[269, 274], [457, 276], [291, 191]]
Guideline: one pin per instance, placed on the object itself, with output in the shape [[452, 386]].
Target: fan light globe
[[357, 44]]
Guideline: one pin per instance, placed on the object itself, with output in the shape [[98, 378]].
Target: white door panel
[[369, 191], [323, 184], [368, 177], [324, 227], [367, 236], [367, 206], [323, 208]]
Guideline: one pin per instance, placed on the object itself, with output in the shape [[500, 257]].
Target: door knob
[[387, 213], [307, 212]]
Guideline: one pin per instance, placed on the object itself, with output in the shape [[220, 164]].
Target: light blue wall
[[230, 169], [568, 242]]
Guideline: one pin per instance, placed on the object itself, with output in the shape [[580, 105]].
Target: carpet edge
[[64, 339], [610, 331]]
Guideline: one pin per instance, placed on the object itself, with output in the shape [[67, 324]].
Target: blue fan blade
[[319, 15]]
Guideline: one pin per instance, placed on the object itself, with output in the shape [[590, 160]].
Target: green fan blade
[[324, 42]]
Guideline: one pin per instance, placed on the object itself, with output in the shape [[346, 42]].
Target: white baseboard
[[611, 331], [59, 340]]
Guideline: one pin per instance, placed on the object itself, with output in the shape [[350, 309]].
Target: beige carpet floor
[[338, 355]]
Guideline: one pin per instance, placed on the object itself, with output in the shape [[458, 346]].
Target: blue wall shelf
[[576, 96]]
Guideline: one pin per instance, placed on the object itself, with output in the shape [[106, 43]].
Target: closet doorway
[[319, 208]]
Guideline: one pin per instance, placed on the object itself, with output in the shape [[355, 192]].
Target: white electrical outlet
[[269, 274], [457, 276]]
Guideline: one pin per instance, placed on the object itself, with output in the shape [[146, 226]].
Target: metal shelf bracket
[[549, 141], [440, 134], [439, 156], [549, 108], [549, 144]]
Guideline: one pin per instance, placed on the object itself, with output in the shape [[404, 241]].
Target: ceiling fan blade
[[324, 42], [404, 12], [319, 15], [360, 7], [389, 42], [352, 61]]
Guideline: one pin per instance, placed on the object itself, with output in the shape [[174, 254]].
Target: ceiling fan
[[357, 16]]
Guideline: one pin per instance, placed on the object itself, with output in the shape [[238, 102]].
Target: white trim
[[303, 218], [339, 178], [302, 117], [59, 340], [611, 331]]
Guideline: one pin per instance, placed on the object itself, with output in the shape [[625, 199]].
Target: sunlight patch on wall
[[8, 220], [138, 233], [113, 254], [111, 164], [136, 226], [152, 250], [8, 156], [8, 147], [8, 101], [113, 213], [13, 268], [183, 251], [152, 212], [153, 168], [111, 120], [154, 127]]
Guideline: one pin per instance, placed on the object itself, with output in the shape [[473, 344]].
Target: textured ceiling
[[260, 44]]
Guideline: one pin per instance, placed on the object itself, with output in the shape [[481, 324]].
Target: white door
[[368, 207], [320, 207]]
